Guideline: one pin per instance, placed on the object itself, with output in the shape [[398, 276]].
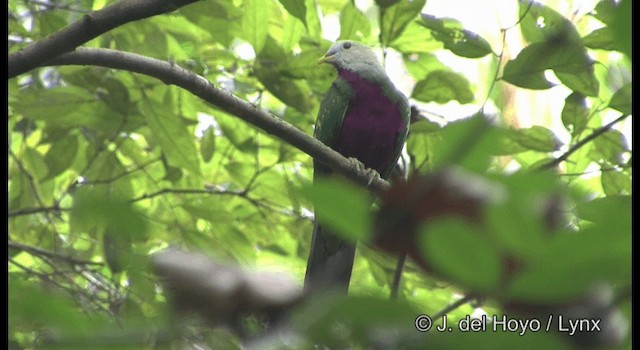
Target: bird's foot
[[371, 174]]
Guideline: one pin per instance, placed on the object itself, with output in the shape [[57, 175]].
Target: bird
[[364, 117]]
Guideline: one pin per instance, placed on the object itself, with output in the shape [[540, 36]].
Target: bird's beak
[[326, 59]]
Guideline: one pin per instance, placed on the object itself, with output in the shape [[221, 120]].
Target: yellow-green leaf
[[176, 141], [255, 22]]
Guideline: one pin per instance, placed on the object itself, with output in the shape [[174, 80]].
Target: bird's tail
[[330, 261]]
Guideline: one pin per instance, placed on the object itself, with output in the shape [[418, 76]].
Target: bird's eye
[[347, 45]]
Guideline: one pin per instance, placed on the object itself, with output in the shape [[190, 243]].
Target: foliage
[[107, 167]]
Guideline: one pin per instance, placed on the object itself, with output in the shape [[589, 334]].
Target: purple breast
[[371, 126]]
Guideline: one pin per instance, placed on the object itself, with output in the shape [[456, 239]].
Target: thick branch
[[171, 73], [87, 28]]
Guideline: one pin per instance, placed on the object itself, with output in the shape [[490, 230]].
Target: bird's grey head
[[351, 55]]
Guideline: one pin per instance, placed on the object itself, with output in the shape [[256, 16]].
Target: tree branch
[[172, 74], [456, 304], [42, 252], [90, 26], [29, 211], [186, 191], [581, 143]]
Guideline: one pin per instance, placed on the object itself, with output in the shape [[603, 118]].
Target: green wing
[[330, 257], [330, 117], [401, 101]]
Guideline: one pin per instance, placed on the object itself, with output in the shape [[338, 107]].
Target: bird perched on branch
[[362, 116]]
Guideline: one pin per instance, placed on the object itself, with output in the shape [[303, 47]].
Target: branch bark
[[90, 26], [172, 74]]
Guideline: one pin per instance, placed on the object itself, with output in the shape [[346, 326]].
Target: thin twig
[[43, 252], [456, 304], [581, 143], [397, 277], [29, 211], [121, 175], [185, 191]]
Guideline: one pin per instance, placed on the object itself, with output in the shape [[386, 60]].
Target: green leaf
[[421, 149], [292, 32], [234, 130], [124, 226], [541, 23], [255, 23], [516, 222], [492, 340], [416, 39], [575, 113], [182, 27], [30, 302], [219, 17], [613, 211], [469, 142], [611, 146], [617, 16], [420, 65], [210, 208], [571, 64], [340, 322], [605, 11], [454, 249], [621, 27], [61, 155], [621, 99], [580, 159], [442, 86], [117, 96], [313, 20], [537, 138], [615, 182], [455, 38], [386, 3], [61, 107], [601, 38], [353, 23], [581, 261], [507, 142], [396, 17], [104, 167], [556, 45], [305, 66], [598, 252], [343, 207], [425, 126], [176, 141], [99, 207], [269, 71], [49, 22], [527, 69], [471, 45], [297, 9], [208, 144], [583, 81], [116, 250], [34, 163], [294, 93]]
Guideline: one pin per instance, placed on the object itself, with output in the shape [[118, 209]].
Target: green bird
[[362, 116]]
